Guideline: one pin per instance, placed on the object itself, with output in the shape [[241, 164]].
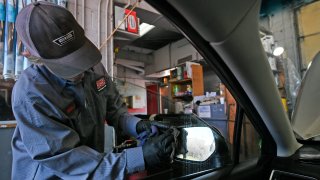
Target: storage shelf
[[184, 98], [195, 83], [180, 81], [163, 85], [125, 35]]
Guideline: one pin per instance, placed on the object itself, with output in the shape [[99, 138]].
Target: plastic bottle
[[9, 42], [189, 90], [175, 90], [19, 49], [2, 23]]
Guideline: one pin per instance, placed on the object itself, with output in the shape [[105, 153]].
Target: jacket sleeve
[[117, 112], [56, 146]]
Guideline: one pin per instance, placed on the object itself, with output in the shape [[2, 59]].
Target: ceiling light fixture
[[144, 28], [278, 51]]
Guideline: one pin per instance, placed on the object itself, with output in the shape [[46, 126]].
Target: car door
[[226, 34]]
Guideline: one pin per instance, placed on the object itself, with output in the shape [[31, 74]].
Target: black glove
[[143, 125], [157, 149]]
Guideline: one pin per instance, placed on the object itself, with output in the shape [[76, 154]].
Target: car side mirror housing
[[200, 145]]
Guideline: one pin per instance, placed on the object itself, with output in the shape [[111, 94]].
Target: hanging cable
[[127, 15]]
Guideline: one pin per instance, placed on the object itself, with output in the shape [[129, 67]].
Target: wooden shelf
[[195, 82], [182, 81], [184, 96], [163, 85]]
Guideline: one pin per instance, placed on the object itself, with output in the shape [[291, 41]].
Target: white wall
[[161, 61], [168, 56], [91, 20], [129, 83]]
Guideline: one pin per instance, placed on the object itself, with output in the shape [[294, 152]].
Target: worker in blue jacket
[[61, 104]]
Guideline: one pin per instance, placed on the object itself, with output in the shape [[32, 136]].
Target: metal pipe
[[99, 21], [99, 29], [109, 29], [83, 13], [75, 8]]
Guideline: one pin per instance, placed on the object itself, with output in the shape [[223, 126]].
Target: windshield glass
[[291, 42]]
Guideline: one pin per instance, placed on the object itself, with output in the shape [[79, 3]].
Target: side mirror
[[198, 144], [201, 146]]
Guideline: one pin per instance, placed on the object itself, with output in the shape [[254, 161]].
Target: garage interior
[[158, 71]]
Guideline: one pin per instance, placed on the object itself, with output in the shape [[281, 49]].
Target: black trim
[[276, 174], [308, 142], [237, 134], [218, 65]]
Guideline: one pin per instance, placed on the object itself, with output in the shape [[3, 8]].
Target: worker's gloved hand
[[158, 149], [143, 125]]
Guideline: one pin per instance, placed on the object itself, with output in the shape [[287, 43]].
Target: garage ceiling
[[163, 33], [156, 39]]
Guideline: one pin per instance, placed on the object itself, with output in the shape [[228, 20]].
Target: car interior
[[255, 138], [226, 34]]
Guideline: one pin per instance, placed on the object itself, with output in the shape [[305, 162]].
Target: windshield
[[291, 41]]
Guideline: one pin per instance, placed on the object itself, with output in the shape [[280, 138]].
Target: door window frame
[[244, 104]]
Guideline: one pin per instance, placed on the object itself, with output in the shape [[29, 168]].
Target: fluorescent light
[[278, 51], [144, 28]]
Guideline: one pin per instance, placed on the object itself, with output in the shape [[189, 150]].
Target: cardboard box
[[189, 68], [216, 111]]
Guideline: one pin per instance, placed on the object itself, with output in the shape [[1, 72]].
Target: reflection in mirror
[[199, 143]]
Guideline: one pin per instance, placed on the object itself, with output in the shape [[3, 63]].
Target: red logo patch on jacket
[[101, 83], [70, 108]]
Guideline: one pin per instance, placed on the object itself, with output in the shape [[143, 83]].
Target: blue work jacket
[[60, 127]]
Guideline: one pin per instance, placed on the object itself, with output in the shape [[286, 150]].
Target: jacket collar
[[57, 82]]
